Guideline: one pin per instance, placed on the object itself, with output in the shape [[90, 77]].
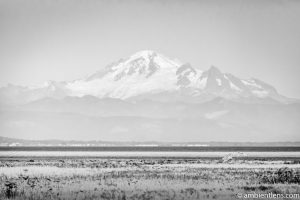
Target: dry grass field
[[145, 178]]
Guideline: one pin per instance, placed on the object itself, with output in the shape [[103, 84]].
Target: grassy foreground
[[145, 178]]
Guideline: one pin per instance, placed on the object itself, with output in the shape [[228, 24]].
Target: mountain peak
[[214, 69], [144, 54]]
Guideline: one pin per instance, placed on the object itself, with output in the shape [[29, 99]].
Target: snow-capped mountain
[[149, 97], [147, 74], [143, 72]]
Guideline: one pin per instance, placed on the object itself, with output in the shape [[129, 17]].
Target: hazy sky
[[68, 39]]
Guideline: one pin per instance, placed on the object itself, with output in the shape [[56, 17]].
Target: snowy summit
[[147, 73]]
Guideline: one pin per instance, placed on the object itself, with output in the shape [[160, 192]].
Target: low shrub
[[10, 189], [282, 175]]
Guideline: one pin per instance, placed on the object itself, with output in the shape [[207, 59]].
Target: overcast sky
[[68, 39]]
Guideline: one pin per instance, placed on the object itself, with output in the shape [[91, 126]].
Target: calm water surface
[[147, 152]]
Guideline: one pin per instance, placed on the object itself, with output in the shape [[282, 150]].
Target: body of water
[[149, 152]]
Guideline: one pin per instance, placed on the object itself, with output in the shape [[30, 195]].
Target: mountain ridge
[[91, 118], [15, 142], [147, 74]]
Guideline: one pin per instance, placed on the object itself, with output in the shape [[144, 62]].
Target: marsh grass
[[142, 179]]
